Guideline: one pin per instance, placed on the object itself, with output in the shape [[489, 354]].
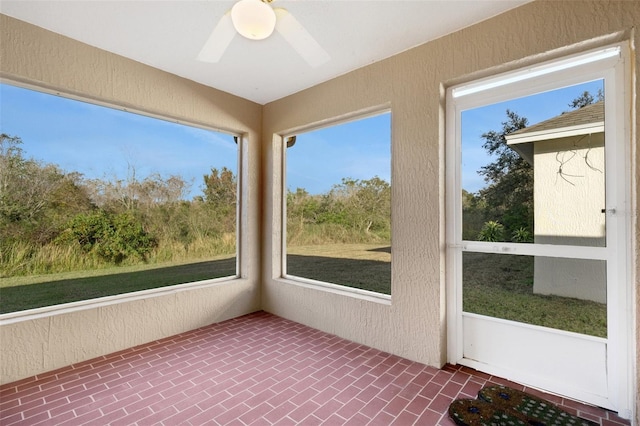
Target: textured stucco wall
[[32, 345], [413, 83]]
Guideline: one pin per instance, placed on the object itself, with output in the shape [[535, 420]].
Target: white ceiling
[[169, 34]]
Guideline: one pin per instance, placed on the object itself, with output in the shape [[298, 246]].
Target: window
[[338, 205], [97, 201]]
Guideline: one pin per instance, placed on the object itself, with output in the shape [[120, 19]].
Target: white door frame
[[613, 354]]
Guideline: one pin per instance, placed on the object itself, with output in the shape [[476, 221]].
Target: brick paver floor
[[258, 369]]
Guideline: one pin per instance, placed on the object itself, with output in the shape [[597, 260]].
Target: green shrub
[[521, 235], [112, 237], [491, 231]]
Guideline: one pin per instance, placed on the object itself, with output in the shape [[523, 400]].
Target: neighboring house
[[567, 155]]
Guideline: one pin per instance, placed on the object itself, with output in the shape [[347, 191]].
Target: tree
[[586, 99], [473, 214], [509, 196], [367, 203], [220, 194], [220, 187], [131, 193], [583, 100], [302, 207], [25, 184], [36, 199], [10, 159]]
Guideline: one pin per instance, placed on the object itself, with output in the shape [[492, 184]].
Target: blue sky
[[359, 149], [102, 142]]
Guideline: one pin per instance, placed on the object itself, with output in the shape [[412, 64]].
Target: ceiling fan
[[256, 20]]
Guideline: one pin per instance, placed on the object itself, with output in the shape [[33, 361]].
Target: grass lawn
[[362, 266], [501, 286], [21, 293], [494, 285]]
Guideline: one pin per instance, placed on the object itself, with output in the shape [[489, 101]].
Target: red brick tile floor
[[257, 369]]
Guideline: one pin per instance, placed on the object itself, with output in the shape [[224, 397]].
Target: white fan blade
[[219, 40], [300, 39]]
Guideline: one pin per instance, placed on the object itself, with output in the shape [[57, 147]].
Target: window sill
[[341, 290], [82, 305]]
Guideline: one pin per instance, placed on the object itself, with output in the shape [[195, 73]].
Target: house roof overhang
[[584, 121]]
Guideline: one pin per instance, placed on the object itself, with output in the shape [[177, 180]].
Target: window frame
[[241, 139], [283, 276]]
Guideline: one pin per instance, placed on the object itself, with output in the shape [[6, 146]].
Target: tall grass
[[23, 259], [329, 233], [199, 248]]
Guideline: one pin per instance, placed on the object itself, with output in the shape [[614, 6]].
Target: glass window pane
[[339, 204], [100, 201], [533, 169], [561, 293]]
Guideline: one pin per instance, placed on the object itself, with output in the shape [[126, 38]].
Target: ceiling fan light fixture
[[253, 19]]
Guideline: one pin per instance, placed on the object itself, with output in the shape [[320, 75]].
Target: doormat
[[503, 406]]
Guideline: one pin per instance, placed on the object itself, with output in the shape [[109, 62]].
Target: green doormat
[[476, 412], [500, 405]]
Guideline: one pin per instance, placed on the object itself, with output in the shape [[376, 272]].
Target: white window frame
[[606, 63], [308, 282]]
